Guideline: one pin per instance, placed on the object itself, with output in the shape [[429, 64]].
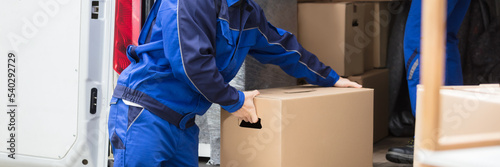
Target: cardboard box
[[377, 79], [303, 126], [382, 18], [332, 31], [376, 26], [369, 27], [469, 116]]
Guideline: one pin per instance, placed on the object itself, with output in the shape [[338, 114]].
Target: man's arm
[[277, 46], [189, 32]]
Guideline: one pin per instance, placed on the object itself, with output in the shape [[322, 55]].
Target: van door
[[56, 82]]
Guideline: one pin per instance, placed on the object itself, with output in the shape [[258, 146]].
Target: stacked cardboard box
[[465, 127], [382, 18], [345, 35], [377, 79], [332, 31], [468, 116], [376, 32], [303, 126], [369, 32], [352, 39], [349, 37]]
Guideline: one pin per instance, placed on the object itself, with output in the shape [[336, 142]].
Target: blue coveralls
[[188, 52], [453, 72]]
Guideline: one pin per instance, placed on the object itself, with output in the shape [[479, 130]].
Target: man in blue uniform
[[456, 10], [188, 52]]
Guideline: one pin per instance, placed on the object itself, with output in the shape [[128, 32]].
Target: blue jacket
[[189, 50]]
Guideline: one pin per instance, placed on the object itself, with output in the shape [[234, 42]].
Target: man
[[188, 52], [453, 73]]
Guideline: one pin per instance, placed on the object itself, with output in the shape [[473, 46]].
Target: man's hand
[[247, 112], [346, 83]]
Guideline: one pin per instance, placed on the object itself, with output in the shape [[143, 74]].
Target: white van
[[57, 58]]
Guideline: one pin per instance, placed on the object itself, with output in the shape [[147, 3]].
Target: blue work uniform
[[188, 52], [453, 72]]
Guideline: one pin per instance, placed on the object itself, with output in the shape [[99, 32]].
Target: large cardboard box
[[332, 31], [370, 29], [469, 115], [376, 28], [377, 79], [303, 126], [382, 18]]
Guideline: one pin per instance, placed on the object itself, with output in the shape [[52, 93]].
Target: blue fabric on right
[[453, 72]]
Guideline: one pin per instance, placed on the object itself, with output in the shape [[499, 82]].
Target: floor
[[379, 150]]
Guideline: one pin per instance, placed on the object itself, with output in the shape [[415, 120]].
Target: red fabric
[[127, 30]]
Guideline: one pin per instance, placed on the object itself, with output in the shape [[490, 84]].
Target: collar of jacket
[[232, 2]]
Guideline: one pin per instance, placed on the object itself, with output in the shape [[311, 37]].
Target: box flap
[[304, 91]]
